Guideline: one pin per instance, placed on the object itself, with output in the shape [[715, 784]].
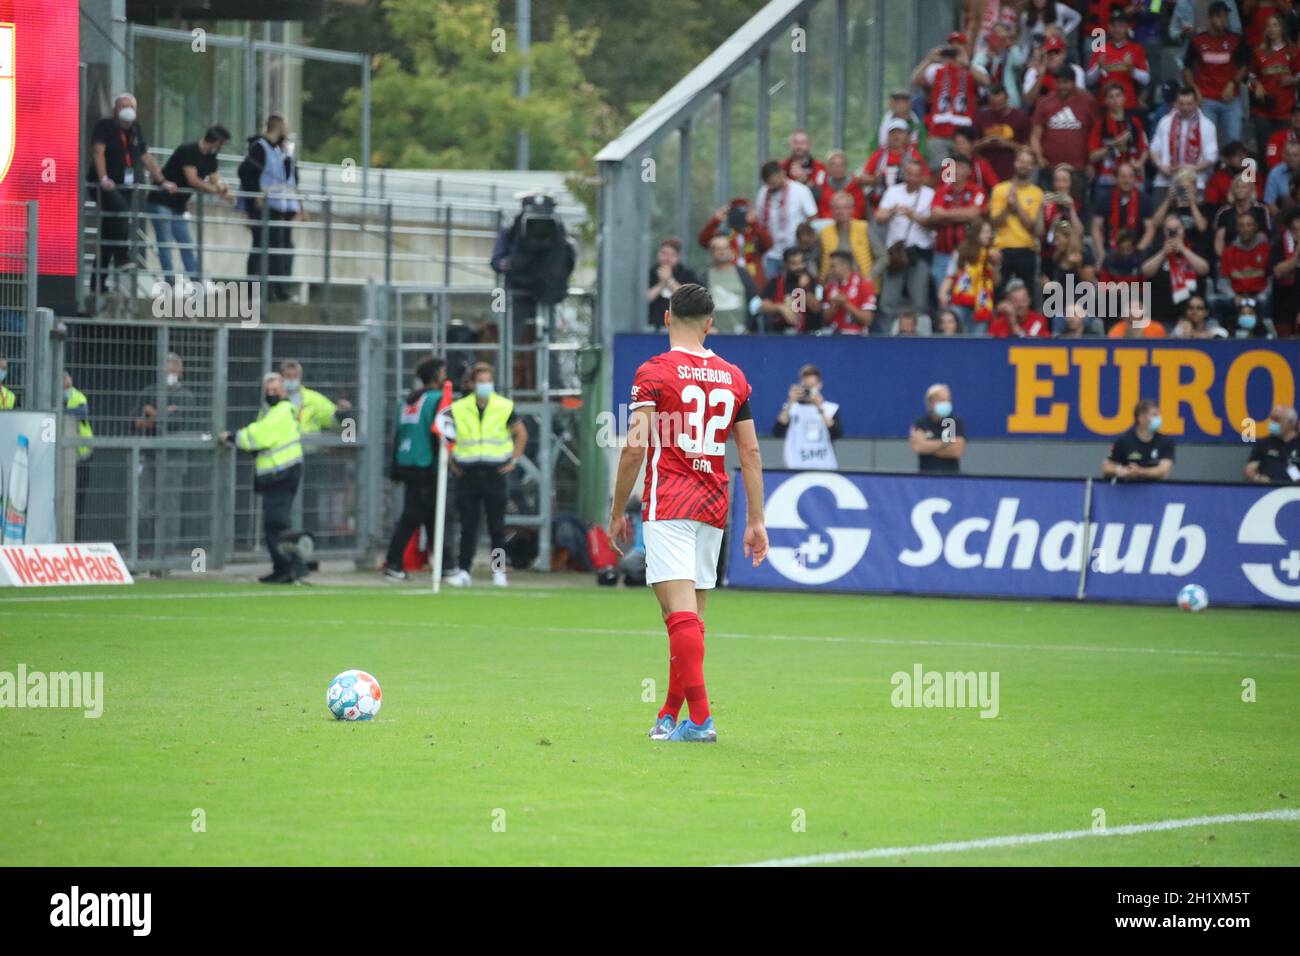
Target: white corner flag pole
[[439, 517]]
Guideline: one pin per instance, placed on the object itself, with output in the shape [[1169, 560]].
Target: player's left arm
[[630, 460], [751, 473]]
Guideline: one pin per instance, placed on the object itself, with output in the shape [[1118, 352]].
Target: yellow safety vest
[[274, 436], [78, 400], [482, 439], [7, 399], [315, 411]]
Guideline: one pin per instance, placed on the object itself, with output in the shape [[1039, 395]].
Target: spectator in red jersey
[[1288, 134], [1257, 13], [1217, 63], [957, 204], [953, 96], [1120, 61], [1063, 122], [801, 166], [884, 167], [838, 179], [792, 299], [749, 238], [1234, 159], [1045, 66], [1001, 129], [1117, 138], [1172, 268], [1276, 62], [1127, 209], [1014, 317], [848, 299], [1243, 272], [1184, 139], [1243, 203], [1284, 264], [963, 147]]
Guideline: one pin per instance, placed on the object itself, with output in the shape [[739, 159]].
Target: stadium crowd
[[1149, 153]]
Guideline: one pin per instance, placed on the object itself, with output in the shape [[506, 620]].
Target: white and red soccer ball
[[354, 695]]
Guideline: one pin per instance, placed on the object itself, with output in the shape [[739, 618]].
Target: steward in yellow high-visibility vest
[[275, 439], [75, 404], [8, 400], [489, 441]]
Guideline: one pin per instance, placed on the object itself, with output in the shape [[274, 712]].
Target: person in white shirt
[[905, 212], [782, 204], [809, 424], [1184, 137]]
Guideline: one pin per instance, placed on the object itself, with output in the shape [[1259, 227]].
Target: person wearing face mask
[[270, 171], [938, 437], [77, 408], [316, 414], [167, 408], [275, 439], [489, 441], [1141, 453], [8, 400], [1275, 458], [119, 161]]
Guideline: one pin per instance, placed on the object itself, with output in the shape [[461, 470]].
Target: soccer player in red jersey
[[684, 404]]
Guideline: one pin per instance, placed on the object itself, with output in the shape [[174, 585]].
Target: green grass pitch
[[513, 730]]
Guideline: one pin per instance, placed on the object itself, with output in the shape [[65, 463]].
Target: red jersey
[[1034, 325], [1246, 269], [1104, 133], [1214, 61], [695, 397], [859, 290], [888, 163], [1117, 63], [1276, 144], [1272, 67], [853, 188], [948, 196], [952, 99], [813, 174]]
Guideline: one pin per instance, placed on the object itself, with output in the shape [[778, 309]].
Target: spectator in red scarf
[[782, 204], [1172, 268], [974, 272], [1217, 63], [1243, 271], [792, 299], [1120, 61], [953, 96], [1116, 138], [884, 167], [738, 222], [801, 166], [849, 298], [1274, 68], [1000, 130], [1242, 203], [1232, 163], [1063, 122], [838, 179], [1279, 139], [1126, 209], [1184, 139]]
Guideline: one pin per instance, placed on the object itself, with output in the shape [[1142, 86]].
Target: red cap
[[1052, 44], [957, 37]]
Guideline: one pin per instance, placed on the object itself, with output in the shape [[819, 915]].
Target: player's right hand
[[756, 543], [618, 530]]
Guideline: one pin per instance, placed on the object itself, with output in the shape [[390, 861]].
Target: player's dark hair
[[790, 252], [691, 302], [427, 371], [770, 168]]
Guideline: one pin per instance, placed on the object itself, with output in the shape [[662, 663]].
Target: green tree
[[446, 98]]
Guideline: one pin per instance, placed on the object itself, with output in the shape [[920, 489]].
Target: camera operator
[[809, 424], [535, 257]]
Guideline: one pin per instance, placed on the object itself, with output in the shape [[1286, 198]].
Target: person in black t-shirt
[[194, 167], [1141, 453], [939, 436], [119, 159], [1275, 459]]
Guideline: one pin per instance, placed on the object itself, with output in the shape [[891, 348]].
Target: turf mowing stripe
[[1026, 839], [727, 635]]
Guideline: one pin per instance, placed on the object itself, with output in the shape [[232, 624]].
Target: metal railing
[[19, 231]]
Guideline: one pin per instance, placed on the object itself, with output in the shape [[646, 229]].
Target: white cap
[[896, 124]]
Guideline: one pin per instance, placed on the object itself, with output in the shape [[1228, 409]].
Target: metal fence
[[159, 484], [18, 273]]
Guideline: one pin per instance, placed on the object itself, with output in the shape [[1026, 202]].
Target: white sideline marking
[[323, 590], [622, 632], [1026, 839]]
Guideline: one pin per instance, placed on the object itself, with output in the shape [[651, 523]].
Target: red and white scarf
[[1180, 153], [1182, 277], [1124, 215], [777, 228]]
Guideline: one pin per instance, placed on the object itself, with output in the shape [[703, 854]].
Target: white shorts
[[680, 549]]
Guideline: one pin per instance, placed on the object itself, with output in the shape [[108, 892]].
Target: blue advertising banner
[[1076, 389], [1023, 538]]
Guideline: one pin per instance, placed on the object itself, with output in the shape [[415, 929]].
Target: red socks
[[686, 666]]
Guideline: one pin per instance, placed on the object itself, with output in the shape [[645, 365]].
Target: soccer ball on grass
[[353, 695], [1192, 597]]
